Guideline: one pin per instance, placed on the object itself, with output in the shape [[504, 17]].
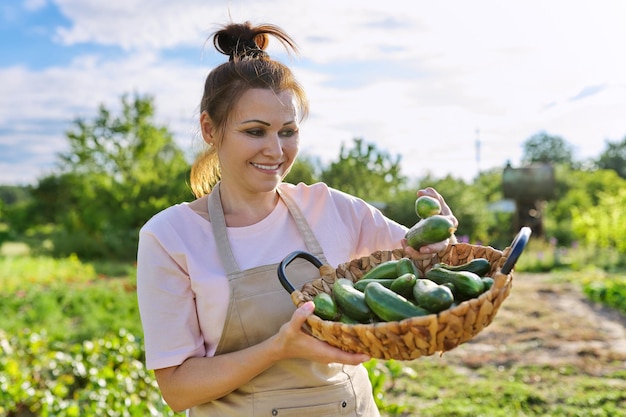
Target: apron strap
[[218, 223], [303, 226]]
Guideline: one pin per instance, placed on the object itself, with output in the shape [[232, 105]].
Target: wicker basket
[[417, 336]]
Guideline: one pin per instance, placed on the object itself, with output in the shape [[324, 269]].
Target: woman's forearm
[[203, 379]]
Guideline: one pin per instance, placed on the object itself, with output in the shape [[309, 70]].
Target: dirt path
[[542, 322]]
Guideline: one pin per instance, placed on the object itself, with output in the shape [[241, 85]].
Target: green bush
[[100, 377], [608, 291]]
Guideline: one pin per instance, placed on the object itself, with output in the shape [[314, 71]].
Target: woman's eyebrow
[[255, 121], [265, 123]]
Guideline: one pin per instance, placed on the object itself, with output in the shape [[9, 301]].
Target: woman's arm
[[203, 379]]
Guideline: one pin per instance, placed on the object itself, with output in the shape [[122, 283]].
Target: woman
[[220, 332]]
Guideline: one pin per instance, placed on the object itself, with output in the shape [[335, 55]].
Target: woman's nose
[[273, 145]]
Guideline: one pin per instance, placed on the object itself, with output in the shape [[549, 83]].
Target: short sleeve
[[167, 306]]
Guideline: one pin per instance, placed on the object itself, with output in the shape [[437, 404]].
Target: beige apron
[[258, 306]]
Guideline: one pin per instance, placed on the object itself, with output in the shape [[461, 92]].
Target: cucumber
[[383, 270], [345, 319], [362, 283], [325, 306], [403, 285], [432, 296], [406, 266], [429, 230], [390, 306], [479, 266], [488, 282], [426, 206], [351, 301], [466, 283]]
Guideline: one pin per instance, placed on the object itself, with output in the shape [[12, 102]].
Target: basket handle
[[282, 277], [517, 246]]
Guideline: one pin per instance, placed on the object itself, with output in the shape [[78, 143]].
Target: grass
[[432, 388], [64, 298]]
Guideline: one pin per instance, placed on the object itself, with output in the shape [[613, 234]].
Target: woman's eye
[[287, 133], [255, 132]]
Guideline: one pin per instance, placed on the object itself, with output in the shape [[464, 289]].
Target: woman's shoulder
[[168, 217], [318, 190], [319, 196]]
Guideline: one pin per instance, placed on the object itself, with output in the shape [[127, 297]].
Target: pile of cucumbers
[[394, 290]]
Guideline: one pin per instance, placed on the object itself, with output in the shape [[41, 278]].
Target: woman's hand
[[428, 251], [293, 342]]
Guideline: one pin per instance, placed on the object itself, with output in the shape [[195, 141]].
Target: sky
[[453, 87]]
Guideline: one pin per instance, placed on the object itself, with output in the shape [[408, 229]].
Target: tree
[[118, 172], [545, 148], [577, 190], [365, 172], [614, 157]]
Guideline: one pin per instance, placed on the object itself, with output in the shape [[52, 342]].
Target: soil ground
[[545, 322]]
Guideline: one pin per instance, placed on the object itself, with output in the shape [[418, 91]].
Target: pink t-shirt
[[183, 290]]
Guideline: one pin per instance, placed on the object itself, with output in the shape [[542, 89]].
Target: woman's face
[[260, 141]]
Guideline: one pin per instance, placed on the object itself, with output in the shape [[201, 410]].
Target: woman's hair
[[249, 66]]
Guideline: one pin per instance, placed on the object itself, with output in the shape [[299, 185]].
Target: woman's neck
[[241, 209]]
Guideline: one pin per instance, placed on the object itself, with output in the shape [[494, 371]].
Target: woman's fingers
[[445, 209], [301, 344]]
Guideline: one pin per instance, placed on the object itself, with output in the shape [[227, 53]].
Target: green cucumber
[[325, 306], [479, 266], [432, 229], [426, 206], [362, 283], [432, 296], [403, 285], [406, 266], [351, 301], [466, 283], [383, 270], [345, 319], [488, 282], [390, 306]]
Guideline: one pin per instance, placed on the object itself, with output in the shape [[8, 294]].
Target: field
[[549, 352], [70, 345]]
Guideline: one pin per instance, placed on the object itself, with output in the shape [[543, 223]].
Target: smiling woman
[[220, 332], [258, 147]]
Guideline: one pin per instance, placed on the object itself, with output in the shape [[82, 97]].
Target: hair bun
[[243, 40]]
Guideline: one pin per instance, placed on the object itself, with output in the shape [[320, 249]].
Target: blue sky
[[418, 78]]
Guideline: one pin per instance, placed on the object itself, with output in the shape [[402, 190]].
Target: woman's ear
[[206, 126]]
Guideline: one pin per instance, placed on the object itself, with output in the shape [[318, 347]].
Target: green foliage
[[383, 376], [576, 189], [401, 207], [118, 172], [603, 225], [365, 172], [542, 147], [69, 342], [65, 298], [305, 169], [609, 291], [614, 157], [104, 376], [429, 387]]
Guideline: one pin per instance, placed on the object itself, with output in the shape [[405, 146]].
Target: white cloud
[[424, 76]]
